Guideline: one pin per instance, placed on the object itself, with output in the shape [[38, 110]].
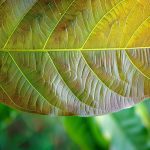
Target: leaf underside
[[74, 57]]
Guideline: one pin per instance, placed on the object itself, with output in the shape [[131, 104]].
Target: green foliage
[[125, 130], [7, 115], [85, 132], [32, 132]]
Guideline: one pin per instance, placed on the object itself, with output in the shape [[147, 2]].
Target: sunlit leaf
[[74, 57], [125, 130]]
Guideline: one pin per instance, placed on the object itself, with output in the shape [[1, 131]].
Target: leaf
[[127, 130], [7, 116], [144, 111], [74, 57], [93, 139]]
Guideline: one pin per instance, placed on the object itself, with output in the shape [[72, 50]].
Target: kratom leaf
[[74, 57]]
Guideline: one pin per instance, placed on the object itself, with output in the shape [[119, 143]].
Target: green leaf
[[85, 132], [125, 130], [6, 117], [74, 57], [143, 110]]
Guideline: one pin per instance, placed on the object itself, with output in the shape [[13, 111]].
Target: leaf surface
[[127, 130], [74, 57]]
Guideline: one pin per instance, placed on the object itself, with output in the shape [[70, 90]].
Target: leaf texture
[[74, 57]]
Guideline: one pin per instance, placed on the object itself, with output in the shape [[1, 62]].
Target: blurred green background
[[125, 130]]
